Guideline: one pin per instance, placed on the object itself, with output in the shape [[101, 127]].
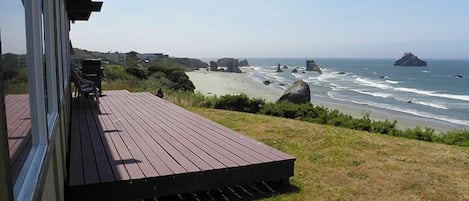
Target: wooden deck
[[138, 146], [19, 130]]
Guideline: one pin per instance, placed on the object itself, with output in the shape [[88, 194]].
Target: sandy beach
[[220, 83]]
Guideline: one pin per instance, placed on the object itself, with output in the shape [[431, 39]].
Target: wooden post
[[5, 184]]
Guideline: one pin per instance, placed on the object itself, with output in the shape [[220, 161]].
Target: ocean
[[436, 92]]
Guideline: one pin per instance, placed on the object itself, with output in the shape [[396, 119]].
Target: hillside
[[341, 164]]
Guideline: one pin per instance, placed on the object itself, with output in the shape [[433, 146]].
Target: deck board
[[208, 136], [138, 145]]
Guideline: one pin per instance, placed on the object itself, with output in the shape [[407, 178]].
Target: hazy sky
[[279, 28]]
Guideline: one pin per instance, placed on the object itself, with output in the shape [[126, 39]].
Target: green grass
[[343, 164]]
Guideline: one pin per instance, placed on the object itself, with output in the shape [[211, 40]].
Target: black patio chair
[[83, 86]]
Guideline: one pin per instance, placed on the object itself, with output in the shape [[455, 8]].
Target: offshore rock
[[409, 59], [311, 66], [298, 93], [213, 66], [279, 70], [244, 63], [231, 64]]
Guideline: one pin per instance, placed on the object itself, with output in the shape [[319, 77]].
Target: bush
[[456, 137], [181, 81], [113, 72], [137, 72], [238, 103], [158, 68]]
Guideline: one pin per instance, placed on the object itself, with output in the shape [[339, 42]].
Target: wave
[[336, 87], [434, 105], [426, 71], [434, 94], [329, 76], [372, 83], [374, 94], [404, 110], [392, 82]]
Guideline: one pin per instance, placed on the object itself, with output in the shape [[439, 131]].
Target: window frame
[[51, 63], [28, 179]]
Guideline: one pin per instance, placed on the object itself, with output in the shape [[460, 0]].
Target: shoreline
[[222, 83]]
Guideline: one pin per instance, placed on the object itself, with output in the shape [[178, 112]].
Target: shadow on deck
[[140, 146]]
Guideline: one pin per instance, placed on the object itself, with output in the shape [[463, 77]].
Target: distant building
[[115, 57], [151, 56]]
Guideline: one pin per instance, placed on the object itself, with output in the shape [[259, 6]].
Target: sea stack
[[213, 66], [279, 70], [231, 64], [244, 63], [409, 59], [311, 66]]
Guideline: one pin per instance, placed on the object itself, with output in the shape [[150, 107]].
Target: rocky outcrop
[[295, 70], [311, 66], [213, 66], [279, 70], [298, 93], [267, 82], [244, 63], [409, 59], [231, 64], [190, 63]]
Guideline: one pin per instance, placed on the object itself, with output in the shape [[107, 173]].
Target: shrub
[[456, 137], [137, 72], [159, 68], [113, 72], [238, 103]]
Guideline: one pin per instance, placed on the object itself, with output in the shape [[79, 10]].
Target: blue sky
[[279, 28]]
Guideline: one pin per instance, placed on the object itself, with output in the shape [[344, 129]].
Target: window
[[12, 20], [26, 26]]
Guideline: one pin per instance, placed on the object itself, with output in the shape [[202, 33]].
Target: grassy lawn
[[341, 164]]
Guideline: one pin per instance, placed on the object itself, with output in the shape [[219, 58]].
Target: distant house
[[151, 56], [115, 57]]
